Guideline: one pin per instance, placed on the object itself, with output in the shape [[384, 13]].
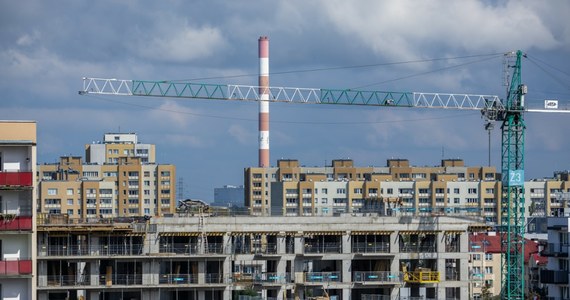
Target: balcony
[[214, 278], [15, 179], [322, 277], [374, 277], [15, 267], [272, 278], [19, 223], [554, 277], [67, 280], [417, 248], [191, 248], [178, 279], [371, 247], [80, 250], [556, 250], [121, 279], [323, 248]]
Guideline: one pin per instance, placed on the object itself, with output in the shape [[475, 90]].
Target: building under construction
[[200, 256]]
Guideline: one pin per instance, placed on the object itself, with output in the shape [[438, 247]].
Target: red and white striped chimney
[[264, 103]]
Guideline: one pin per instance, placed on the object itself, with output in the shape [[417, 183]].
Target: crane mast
[[509, 111]]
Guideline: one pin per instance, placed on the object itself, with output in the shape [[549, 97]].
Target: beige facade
[[18, 241], [398, 188], [128, 186], [291, 189]]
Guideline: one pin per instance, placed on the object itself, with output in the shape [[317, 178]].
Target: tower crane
[[509, 111]]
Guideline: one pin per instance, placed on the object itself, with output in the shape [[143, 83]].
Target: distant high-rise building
[[120, 178], [17, 219], [229, 195]]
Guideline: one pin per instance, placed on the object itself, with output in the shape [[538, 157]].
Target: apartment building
[[17, 215], [485, 267], [557, 271], [129, 184], [451, 188], [219, 257], [291, 189]]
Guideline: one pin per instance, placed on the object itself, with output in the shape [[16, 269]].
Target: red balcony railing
[[15, 179], [15, 267], [19, 223]]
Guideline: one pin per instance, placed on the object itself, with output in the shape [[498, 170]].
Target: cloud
[[404, 30], [241, 134], [177, 41]]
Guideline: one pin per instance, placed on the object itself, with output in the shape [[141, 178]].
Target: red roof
[[492, 244]]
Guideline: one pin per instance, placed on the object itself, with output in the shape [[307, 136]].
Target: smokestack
[[263, 104]]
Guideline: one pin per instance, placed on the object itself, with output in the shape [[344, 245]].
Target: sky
[[47, 47]]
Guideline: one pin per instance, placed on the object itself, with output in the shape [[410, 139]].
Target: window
[[146, 174], [476, 256], [490, 190], [456, 190], [256, 175], [52, 192], [389, 191], [146, 201], [324, 200], [488, 256], [341, 191], [147, 192], [455, 200], [358, 191], [147, 211], [90, 174], [325, 191], [372, 191], [423, 191], [70, 192], [488, 270], [290, 191], [69, 201], [439, 191], [472, 190]]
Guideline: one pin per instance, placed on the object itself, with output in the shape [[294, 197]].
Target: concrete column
[[42, 273], [346, 243], [346, 271], [202, 273], [464, 242], [227, 244], [152, 243], [440, 242], [299, 244], [42, 295], [151, 270], [394, 243], [94, 272], [150, 294], [227, 295], [346, 294], [93, 295], [202, 295], [281, 246], [94, 245]]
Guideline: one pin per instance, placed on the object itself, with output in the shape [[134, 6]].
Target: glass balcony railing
[[322, 277], [384, 276], [121, 279], [67, 280], [178, 279]]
